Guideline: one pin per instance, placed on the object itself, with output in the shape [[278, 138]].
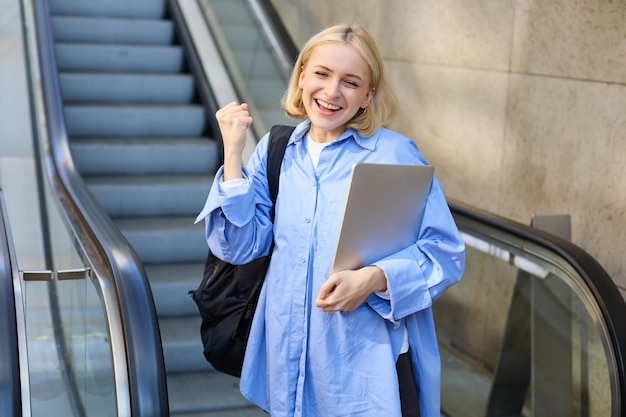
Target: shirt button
[[307, 220], [302, 260]]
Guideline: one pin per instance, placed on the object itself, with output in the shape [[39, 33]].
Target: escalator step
[[126, 88], [127, 121], [162, 240], [145, 155], [170, 284], [205, 392], [118, 58], [145, 9], [142, 196], [112, 30]]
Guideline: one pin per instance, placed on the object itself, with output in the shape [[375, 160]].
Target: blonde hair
[[383, 105]]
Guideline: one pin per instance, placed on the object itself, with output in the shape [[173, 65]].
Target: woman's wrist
[[379, 280], [232, 168]]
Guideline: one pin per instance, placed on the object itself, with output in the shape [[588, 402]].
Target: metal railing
[[118, 274]]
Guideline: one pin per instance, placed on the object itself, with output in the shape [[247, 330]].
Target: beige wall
[[520, 105]]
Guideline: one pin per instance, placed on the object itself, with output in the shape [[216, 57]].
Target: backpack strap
[[279, 136]]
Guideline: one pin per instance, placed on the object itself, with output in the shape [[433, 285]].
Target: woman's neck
[[324, 136]]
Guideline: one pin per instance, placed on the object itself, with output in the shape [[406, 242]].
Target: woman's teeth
[[328, 105]]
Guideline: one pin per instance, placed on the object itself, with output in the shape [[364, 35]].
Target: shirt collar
[[368, 143]]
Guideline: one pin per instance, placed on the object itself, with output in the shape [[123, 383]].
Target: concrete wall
[[519, 105]]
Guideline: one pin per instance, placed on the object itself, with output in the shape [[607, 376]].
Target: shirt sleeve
[[232, 186], [237, 212]]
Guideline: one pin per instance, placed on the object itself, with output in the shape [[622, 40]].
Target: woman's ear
[[368, 98], [301, 76]]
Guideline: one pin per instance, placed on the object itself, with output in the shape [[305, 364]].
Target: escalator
[[142, 138], [134, 113], [532, 329]]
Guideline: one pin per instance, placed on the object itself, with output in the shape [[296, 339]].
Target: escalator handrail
[[10, 381], [606, 294], [139, 326]]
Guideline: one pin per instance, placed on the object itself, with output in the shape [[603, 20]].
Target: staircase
[[139, 137]]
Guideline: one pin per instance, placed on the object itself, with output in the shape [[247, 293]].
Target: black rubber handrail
[[10, 381], [606, 295], [144, 353]]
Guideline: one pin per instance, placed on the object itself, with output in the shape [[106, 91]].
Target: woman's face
[[335, 84]]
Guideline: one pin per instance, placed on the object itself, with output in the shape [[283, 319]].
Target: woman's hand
[[346, 290], [234, 121]]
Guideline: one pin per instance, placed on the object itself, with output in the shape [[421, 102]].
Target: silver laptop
[[383, 212]]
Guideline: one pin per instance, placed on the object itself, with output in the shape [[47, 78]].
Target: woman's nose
[[332, 88]]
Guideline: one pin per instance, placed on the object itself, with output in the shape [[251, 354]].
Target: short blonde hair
[[383, 105]]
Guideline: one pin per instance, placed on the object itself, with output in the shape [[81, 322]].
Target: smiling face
[[336, 84]]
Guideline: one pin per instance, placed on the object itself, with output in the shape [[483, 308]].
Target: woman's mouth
[[327, 106]]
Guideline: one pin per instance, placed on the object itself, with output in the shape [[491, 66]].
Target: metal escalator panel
[[13, 381], [529, 330]]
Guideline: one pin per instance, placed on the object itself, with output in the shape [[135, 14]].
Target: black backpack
[[228, 294]]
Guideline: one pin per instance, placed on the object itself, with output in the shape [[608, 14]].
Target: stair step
[[162, 240], [237, 412], [126, 88], [124, 196], [182, 344], [171, 283], [146, 9], [118, 58], [87, 29], [199, 392], [116, 156], [129, 121]]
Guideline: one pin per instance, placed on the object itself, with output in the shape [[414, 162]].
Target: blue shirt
[[301, 361]]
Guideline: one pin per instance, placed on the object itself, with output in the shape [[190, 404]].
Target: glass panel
[[250, 58], [70, 367], [519, 336], [88, 352]]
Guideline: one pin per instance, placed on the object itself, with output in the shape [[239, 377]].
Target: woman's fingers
[[234, 121], [234, 115]]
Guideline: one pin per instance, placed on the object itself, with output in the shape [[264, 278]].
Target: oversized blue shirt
[[301, 361]]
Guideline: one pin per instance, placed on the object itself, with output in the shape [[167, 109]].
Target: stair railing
[[139, 369]]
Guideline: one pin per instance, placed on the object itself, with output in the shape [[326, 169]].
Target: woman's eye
[[352, 83], [320, 73]]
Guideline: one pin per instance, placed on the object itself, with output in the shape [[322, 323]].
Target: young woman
[[337, 344]]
